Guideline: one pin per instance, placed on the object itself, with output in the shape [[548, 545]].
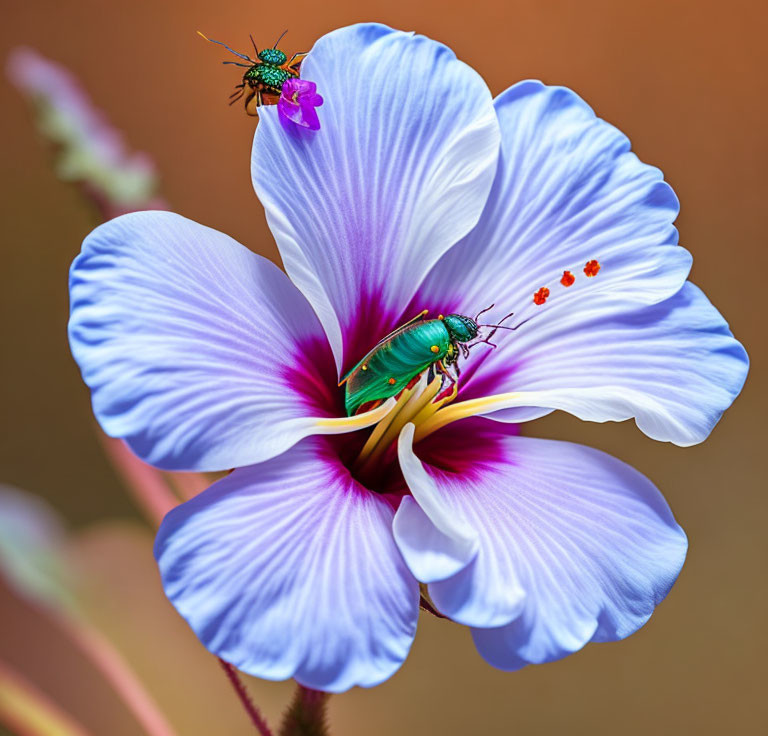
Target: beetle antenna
[[237, 63], [487, 340], [504, 327], [255, 48], [483, 311], [280, 39], [499, 326], [236, 53]]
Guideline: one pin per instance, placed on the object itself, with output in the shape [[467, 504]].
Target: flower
[[298, 101], [89, 151], [419, 192]]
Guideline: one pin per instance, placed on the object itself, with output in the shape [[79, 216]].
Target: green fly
[[418, 345], [265, 75]]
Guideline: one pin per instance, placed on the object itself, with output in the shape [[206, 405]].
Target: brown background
[[685, 80]]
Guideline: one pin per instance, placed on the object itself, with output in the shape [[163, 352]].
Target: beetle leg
[[253, 109], [237, 94], [296, 59], [447, 373]]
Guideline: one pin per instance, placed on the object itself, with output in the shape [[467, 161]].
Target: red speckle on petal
[[568, 279], [541, 296], [591, 268]]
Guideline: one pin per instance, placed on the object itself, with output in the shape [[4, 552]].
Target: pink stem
[[145, 483], [253, 712], [188, 485], [118, 673], [151, 489], [29, 712]]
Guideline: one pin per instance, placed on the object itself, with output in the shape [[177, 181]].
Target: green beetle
[[408, 351], [265, 75]]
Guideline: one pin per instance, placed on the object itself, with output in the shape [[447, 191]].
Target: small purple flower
[[306, 561], [298, 101]]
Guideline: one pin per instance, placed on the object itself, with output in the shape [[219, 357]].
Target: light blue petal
[[191, 344], [674, 367], [289, 569], [574, 546], [435, 544], [593, 544], [399, 171], [569, 190]]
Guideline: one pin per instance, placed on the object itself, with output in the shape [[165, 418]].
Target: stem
[[429, 608], [145, 483], [118, 673], [253, 712], [152, 490], [306, 716]]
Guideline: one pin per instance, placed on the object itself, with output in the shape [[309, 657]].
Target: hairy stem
[[253, 712], [306, 715]]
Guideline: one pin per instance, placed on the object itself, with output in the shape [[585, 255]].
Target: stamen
[[338, 425], [567, 279], [431, 407], [409, 405], [462, 410], [541, 296], [591, 268], [382, 426]]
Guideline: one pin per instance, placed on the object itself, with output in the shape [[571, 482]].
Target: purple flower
[[298, 101], [306, 560]]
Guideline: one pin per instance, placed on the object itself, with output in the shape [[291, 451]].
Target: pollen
[[541, 296], [391, 381], [567, 279], [363, 367], [435, 349], [591, 268], [440, 316]]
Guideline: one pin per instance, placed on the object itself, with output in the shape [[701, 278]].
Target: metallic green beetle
[[265, 75], [408, 351]]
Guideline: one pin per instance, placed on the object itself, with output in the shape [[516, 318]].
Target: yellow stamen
[[382, 426], [429, 409], [464, 409], [416, 404], [335, 425]]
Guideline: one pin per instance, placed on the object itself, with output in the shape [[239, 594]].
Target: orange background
[[686, 80]]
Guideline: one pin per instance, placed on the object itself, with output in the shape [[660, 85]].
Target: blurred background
[[687, 80]]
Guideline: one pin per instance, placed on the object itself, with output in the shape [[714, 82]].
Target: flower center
[[418, 364], [416, 404]]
